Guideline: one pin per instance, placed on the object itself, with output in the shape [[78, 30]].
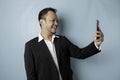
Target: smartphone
[[98, 28]]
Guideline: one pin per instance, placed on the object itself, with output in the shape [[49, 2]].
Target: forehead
[[51, 14]]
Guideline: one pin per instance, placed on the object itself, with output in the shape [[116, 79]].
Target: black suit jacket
[[39, 64]]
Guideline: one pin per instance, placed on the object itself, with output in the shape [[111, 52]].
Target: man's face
[[50, 22]]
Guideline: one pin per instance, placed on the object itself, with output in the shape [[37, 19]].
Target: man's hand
[[99, 37]]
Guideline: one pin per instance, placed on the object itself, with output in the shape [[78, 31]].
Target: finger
[[98, 36], [99, 39], [99, 33]]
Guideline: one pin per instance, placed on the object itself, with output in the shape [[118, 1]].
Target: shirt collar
[[41, 38]]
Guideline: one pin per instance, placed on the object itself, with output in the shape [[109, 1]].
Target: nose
[[56, 22]]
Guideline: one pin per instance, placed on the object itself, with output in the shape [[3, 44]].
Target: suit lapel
[[42, 45]]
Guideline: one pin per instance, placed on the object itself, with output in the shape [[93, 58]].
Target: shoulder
[[32, 41], [62, 38]]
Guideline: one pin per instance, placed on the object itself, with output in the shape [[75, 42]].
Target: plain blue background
[[18, 24]]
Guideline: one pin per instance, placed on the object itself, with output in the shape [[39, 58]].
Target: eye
[[52, 20]]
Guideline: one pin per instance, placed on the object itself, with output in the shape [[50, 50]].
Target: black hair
[[43, 12]]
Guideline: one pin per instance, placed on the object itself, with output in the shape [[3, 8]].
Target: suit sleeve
[[81, 53], [29, 63]]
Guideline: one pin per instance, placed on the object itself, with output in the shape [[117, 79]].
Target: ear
[[41, 21]]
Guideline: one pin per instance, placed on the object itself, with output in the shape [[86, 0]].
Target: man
[[47, 57]]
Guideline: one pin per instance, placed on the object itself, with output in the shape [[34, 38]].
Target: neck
[[46, 35]]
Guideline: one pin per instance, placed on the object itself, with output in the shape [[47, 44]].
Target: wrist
[[97, 46]]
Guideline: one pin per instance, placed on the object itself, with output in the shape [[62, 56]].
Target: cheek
[[50, 25]]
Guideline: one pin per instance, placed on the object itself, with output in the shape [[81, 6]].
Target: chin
[[53, 31]]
